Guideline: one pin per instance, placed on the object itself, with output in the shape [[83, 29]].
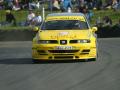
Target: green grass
[[19, 15], [22, 15], [114, 15]]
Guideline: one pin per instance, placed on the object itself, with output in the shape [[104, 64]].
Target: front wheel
[[93, 59]]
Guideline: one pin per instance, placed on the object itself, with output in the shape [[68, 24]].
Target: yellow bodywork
[[69, 51]]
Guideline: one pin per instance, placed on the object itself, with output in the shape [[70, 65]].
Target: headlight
[[47, 42], [43, 42], [83, 41]]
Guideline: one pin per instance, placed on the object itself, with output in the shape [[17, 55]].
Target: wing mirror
[[94, 29], [36, 29]]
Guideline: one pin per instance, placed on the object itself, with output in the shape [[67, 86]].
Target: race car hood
[[64, 34]]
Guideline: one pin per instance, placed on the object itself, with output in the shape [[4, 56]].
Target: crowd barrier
[[108, 32]]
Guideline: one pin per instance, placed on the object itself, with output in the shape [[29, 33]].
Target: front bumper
[[47, 52]]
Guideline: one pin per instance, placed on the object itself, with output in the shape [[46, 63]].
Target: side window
[[83, 25]]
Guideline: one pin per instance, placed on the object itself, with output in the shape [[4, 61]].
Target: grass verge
[[22, 15]]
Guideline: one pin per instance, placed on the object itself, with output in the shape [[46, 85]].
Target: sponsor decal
[[63, 33], [66, 18]]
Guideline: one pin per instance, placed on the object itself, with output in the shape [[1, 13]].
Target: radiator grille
[[65, 57], [63, 51]]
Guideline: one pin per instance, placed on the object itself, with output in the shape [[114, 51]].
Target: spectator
[[107, 21], [1, 1], [50, 5], [1, 4], [66, 4], [9, 4], [56, 5], [81, 8], [10, 19], [34, 4], [107, 4], [37, 20], [89, 14], [69, 10], [30, 17], [99, 4], [90, 4], [24, 4], [115, 5], [80, 2], [16, 5], [99, 22]]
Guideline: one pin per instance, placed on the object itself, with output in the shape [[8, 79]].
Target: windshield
[[64, 25]]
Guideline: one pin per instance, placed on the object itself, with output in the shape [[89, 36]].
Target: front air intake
[[63, 51]]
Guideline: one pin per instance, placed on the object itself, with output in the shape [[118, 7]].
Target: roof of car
[[65, 14]]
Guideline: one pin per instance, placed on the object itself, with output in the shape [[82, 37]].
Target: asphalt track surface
[[18, 73]]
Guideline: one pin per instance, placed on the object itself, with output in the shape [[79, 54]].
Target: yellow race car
[[65, 36]]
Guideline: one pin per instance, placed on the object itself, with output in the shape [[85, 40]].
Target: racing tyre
[[94, 59]]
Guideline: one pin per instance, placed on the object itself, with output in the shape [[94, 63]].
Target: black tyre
[[93, 59]]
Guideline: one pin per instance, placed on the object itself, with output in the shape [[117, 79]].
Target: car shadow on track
[[16, 61], [58, 61], [29, 61]]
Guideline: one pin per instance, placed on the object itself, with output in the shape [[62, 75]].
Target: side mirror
[[94, 29], [36, 29]]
